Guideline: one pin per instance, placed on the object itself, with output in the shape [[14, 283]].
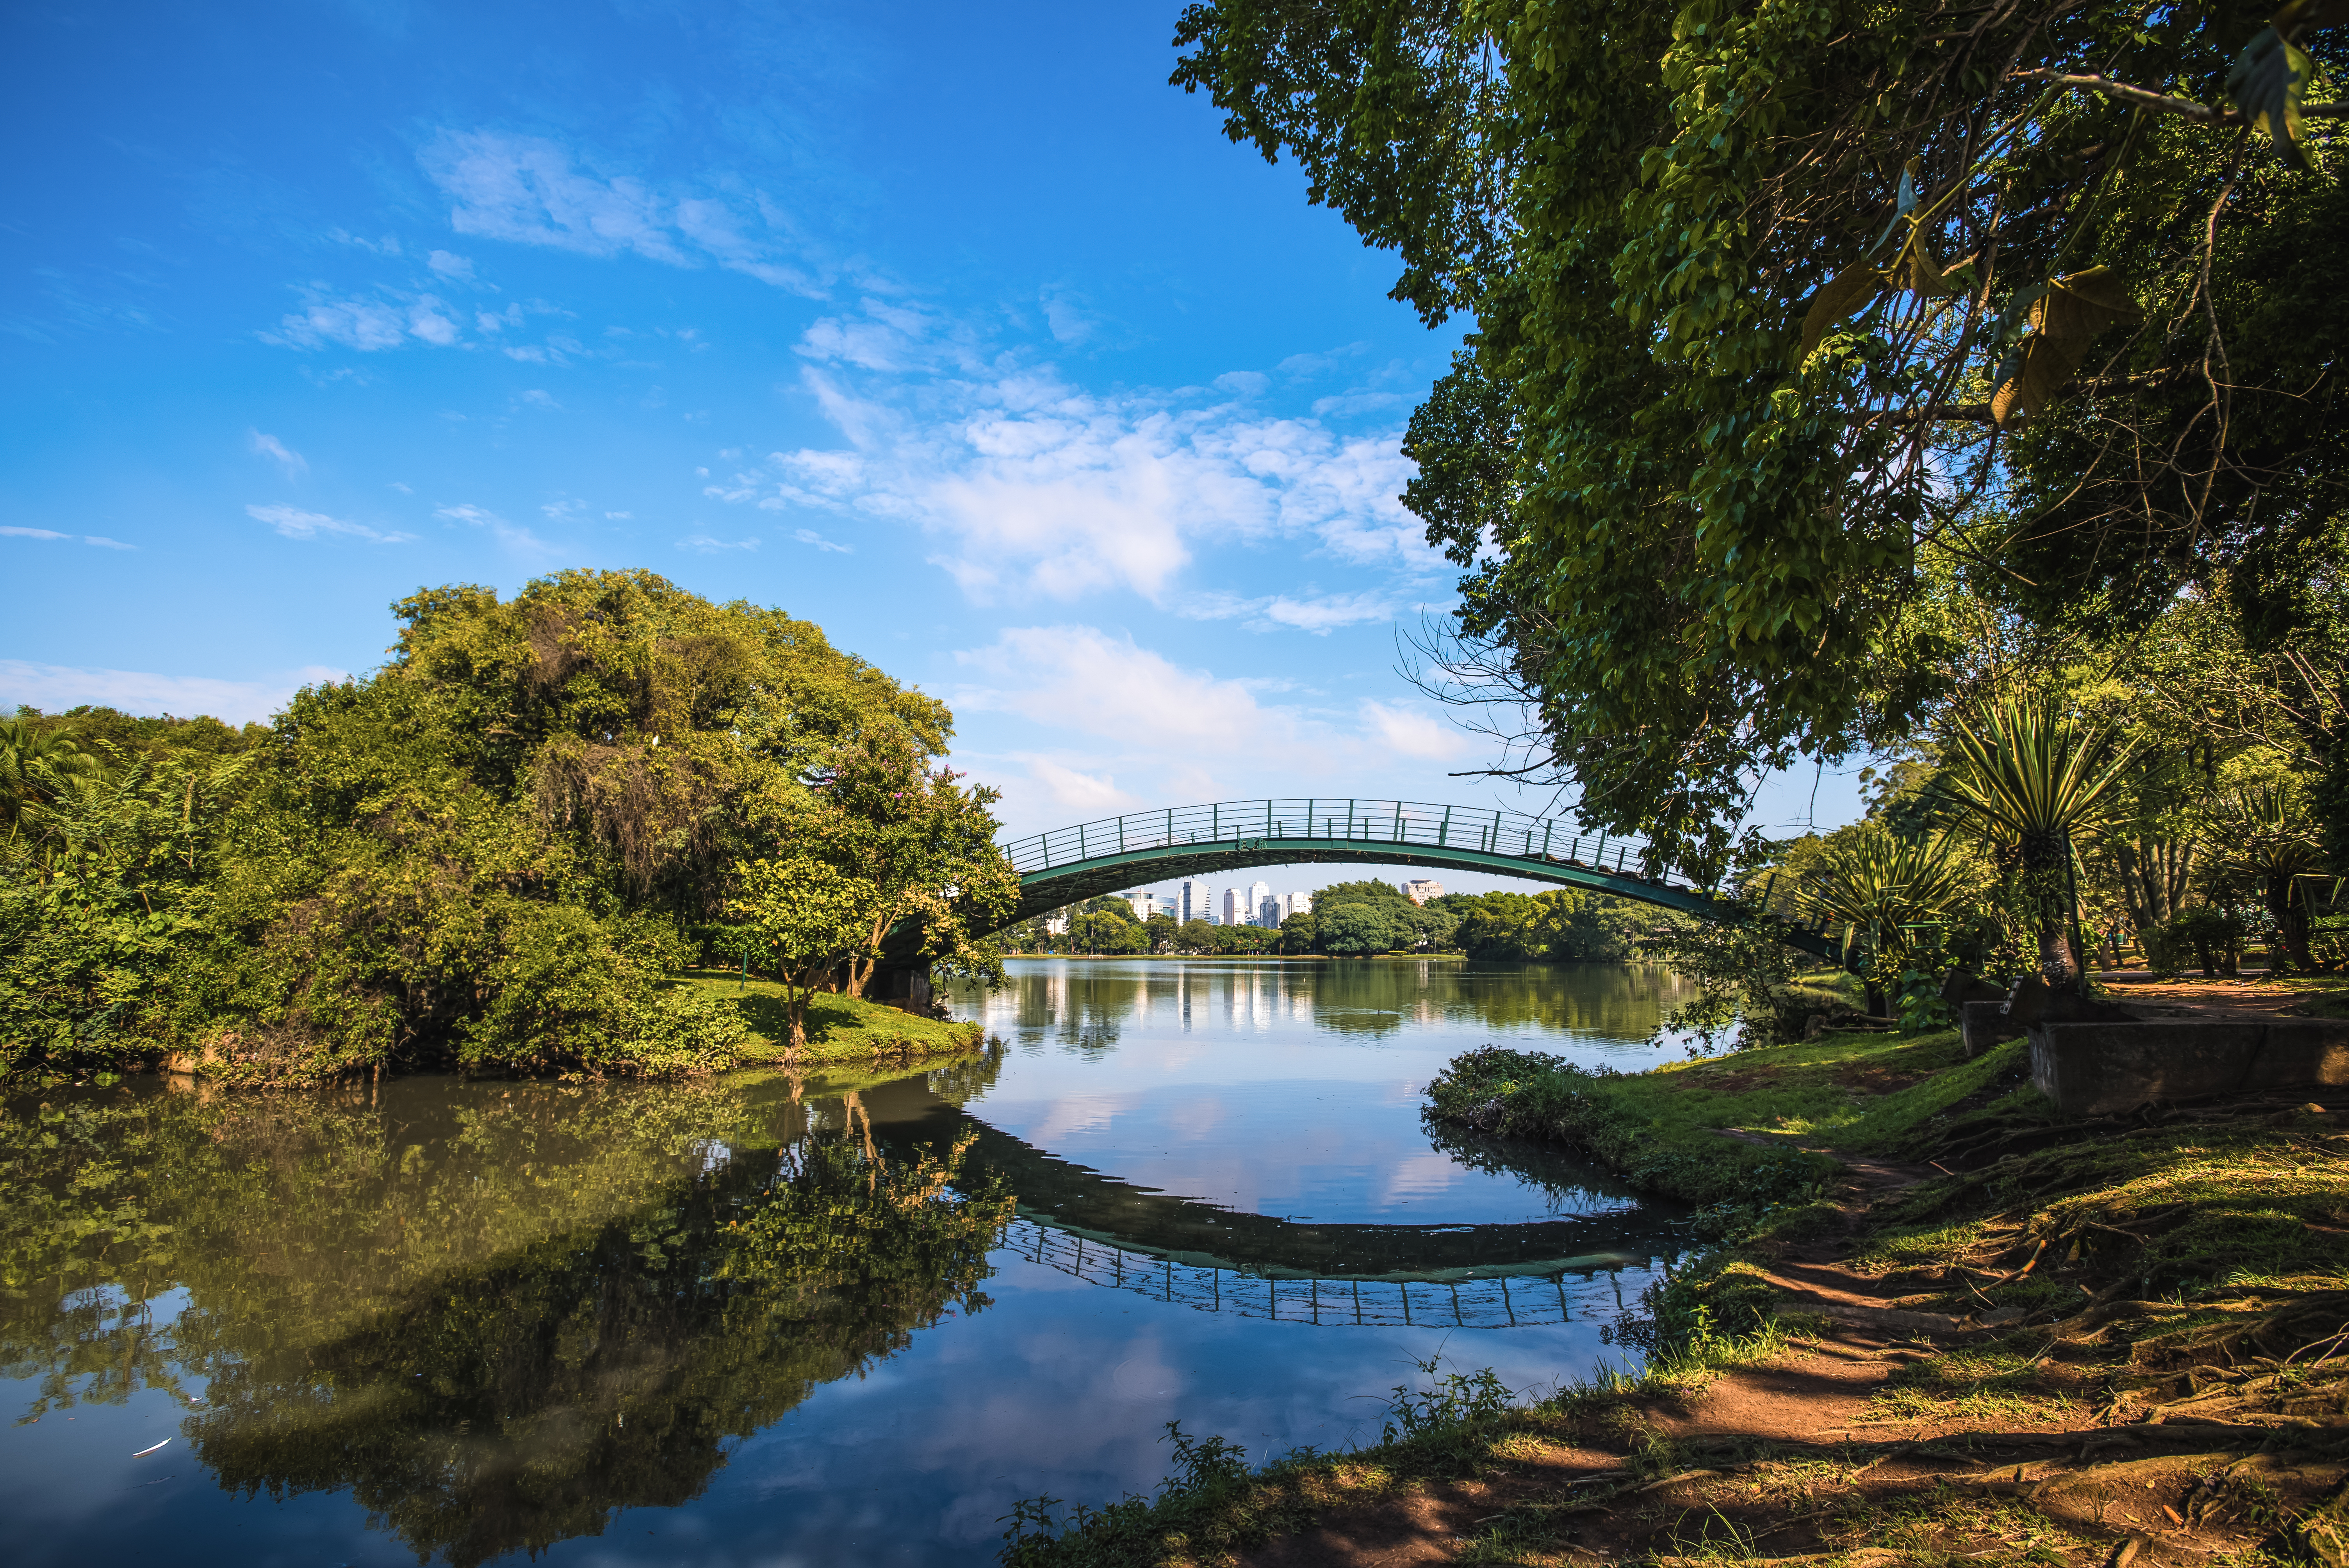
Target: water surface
[[770, 1321]]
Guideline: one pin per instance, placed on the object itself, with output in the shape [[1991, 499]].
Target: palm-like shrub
[[2033, 779], [36, 767], [2268, 839], [1876, 887]]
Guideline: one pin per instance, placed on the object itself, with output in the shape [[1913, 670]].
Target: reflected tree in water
[[495, 1320]]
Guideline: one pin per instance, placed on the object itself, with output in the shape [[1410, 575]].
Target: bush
[[676, 1032]]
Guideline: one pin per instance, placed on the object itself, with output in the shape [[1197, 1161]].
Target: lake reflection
[[793, 1322]]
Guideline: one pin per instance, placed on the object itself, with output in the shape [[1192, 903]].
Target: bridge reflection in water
[[1503, 1301]]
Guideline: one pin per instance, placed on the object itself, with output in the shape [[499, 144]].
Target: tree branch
[[1979, 413], [2163, 103]]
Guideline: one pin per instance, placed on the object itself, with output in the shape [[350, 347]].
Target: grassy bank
[[2054, 1341], [846, 1031]]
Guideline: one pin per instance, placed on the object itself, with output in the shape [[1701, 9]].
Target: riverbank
[[846, 1031], [1934, 1324]]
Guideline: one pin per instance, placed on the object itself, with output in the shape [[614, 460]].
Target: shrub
[[676, 1032]]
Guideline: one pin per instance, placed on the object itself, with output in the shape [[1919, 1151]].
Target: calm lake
[[760, 1320]]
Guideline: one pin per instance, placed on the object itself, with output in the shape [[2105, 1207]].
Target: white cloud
[[269, 446], [513, 535], [292, 522], [1098, 708], [1086, 793], [366, 324], [1082, 678], [97, 539], [429, 319], [810, 536], [530, 190], [1032, 486], [1319, 613], [456, 267], [1411, 732], [709, 546], [58, 686], [618, 516]]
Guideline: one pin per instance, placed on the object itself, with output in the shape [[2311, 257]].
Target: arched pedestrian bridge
[[1069, 865]]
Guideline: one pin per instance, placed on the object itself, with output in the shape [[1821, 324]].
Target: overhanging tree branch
[[2164, 103]]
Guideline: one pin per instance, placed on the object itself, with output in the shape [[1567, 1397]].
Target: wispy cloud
[[97, 539], [531, 190], [810, 536], [368, 323], [56, 687], [292, 522], [268, 445], [1320, 614], [706, 545], [456, 268], [513, 535]]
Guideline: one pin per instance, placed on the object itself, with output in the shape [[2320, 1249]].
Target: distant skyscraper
[[1236, 910], [1301, 903], [1193, 901], [1421, 890], [1261, 909]]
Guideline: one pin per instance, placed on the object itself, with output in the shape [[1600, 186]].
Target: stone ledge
[[2102, 1068]]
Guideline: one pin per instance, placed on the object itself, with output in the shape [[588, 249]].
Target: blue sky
[[952, 329]]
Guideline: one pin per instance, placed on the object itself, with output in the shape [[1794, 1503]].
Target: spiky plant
[[2034, 778], [2269, 838], [1875, 885]]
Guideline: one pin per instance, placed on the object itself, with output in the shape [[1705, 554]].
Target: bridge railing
[[1256, 823]]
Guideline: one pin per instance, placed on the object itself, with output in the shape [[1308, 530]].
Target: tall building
[[1236, 910], [1262, 909], [1301, 903], [1193, 901], [1420, 890]]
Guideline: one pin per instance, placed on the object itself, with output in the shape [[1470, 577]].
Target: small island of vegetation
[[505, 852]]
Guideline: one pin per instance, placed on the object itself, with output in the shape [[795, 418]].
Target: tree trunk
[[2290, 917]]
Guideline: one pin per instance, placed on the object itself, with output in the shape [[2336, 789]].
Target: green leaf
[[2266, 84]]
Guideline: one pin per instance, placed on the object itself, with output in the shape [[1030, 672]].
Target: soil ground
[[1804, 1459]]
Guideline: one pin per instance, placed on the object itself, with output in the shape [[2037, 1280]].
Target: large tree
[[1789, 316]]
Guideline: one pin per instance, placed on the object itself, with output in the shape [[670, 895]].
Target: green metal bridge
[[1069, 865]]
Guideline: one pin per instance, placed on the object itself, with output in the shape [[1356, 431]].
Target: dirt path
[[2251, 998], [1804, 1459]]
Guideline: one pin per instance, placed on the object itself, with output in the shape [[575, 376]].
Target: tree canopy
[[490, 851], [1792, 322]]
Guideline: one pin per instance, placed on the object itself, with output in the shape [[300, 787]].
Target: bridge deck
[[1069, 865]]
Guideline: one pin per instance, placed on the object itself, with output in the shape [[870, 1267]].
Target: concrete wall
[[2098, 1070]]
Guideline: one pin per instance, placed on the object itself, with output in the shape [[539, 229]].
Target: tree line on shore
[[1362, 919], [491, 853]]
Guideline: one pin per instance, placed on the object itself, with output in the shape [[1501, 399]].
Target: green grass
[[842, 1029], [1851, 1093]]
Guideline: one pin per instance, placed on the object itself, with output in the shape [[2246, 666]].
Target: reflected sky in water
[[760, 1321], [1292, 1088]]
